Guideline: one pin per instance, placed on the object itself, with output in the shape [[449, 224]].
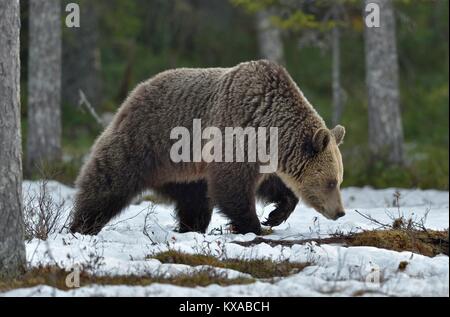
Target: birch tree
[[385, 123], [269, 37], [44, 83], [338, 103], [12, 248]]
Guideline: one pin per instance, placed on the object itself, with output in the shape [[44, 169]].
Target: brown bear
[[133, 153]]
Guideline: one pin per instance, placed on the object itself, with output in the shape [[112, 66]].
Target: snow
[[123, 248]]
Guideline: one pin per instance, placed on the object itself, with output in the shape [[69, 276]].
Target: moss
[[258, 268], [429, 243], [402, 266], [266, 231], [56, 277]]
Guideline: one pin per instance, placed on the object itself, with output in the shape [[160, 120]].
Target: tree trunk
[[12, 247], [336, 69], [44, 83], [385, 124], [81, 68], [269, 38]]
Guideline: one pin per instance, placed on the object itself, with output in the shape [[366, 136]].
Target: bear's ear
[[339, 133], [321, 139]]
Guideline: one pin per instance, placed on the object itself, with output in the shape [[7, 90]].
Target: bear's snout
[[339, 214]]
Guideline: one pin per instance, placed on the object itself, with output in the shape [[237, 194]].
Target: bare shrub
[[42, 213], [400, 221], [146, 230]]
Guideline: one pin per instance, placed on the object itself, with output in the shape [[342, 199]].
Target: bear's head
[[318, 184]]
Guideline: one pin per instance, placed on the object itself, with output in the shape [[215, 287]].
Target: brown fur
[[132, 154]]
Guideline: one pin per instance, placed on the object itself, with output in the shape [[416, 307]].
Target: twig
[[144, 230], [373, 219], [87, 104], [124, 220]]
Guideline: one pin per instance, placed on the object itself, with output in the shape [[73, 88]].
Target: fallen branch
[[429, 243], [289, 243]]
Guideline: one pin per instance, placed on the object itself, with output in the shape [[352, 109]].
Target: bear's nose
[[340, 214]]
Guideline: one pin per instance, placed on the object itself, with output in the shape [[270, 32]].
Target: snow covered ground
[[122, 248]]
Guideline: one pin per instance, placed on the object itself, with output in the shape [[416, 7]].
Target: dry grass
[[56, 277], [258, 268]]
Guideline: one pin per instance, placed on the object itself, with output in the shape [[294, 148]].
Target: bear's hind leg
[[192, 204], [92, 214], [106, 185]]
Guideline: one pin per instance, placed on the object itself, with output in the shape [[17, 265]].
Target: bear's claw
[[276, 217]]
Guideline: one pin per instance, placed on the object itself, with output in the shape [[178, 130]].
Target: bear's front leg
[[232, 186], [282, 211], [273, 190]]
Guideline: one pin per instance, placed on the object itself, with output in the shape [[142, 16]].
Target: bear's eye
[[332, 184]]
